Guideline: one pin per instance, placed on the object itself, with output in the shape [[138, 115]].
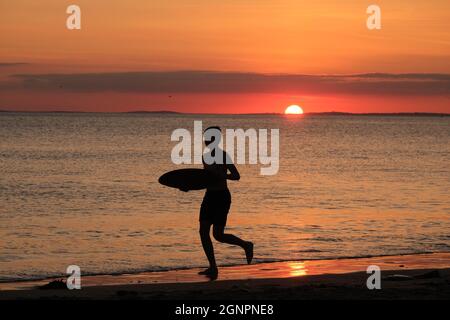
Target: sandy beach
[[420, 276]]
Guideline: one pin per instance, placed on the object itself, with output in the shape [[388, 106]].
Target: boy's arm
[[234, 173]]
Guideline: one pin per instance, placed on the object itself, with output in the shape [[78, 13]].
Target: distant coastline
[[331, 113]]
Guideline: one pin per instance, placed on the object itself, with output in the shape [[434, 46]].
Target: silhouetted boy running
[[215, 206]]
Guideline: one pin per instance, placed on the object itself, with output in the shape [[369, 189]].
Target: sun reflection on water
[[297, 269]]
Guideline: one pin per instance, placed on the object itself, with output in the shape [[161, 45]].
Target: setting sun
[[293, 109]]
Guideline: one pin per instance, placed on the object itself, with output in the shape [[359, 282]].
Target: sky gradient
[[225, 56]]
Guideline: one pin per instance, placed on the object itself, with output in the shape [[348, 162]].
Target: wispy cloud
[[12, 64], [237, 82]]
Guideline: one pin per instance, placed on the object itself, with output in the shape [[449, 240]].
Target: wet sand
[[420, 276]]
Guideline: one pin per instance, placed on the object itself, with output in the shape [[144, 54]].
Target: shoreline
[[419, 276], [45, 279]]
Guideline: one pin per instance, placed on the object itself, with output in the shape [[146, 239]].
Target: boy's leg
[[205, 227], [219, 235]]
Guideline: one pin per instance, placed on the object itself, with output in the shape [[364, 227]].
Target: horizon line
[[412, 113]]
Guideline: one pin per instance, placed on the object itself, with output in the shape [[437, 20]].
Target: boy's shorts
[[215, 206]]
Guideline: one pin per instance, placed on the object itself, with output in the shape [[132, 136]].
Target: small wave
[[324, 239]]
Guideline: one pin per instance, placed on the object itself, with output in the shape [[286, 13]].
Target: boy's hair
[[212, 127]]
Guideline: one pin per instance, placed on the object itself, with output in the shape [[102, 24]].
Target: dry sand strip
[[424, 276]]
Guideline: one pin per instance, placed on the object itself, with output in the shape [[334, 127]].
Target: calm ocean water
[[82, 189]]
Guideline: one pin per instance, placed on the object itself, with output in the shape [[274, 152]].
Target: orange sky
[[239, 36]]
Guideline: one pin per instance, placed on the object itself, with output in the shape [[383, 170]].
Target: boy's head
[[210, 136]]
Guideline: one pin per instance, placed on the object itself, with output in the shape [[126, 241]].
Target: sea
[[82, 189]]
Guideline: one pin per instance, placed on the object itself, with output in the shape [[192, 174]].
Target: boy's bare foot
[[211, 273], [249, 252]]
